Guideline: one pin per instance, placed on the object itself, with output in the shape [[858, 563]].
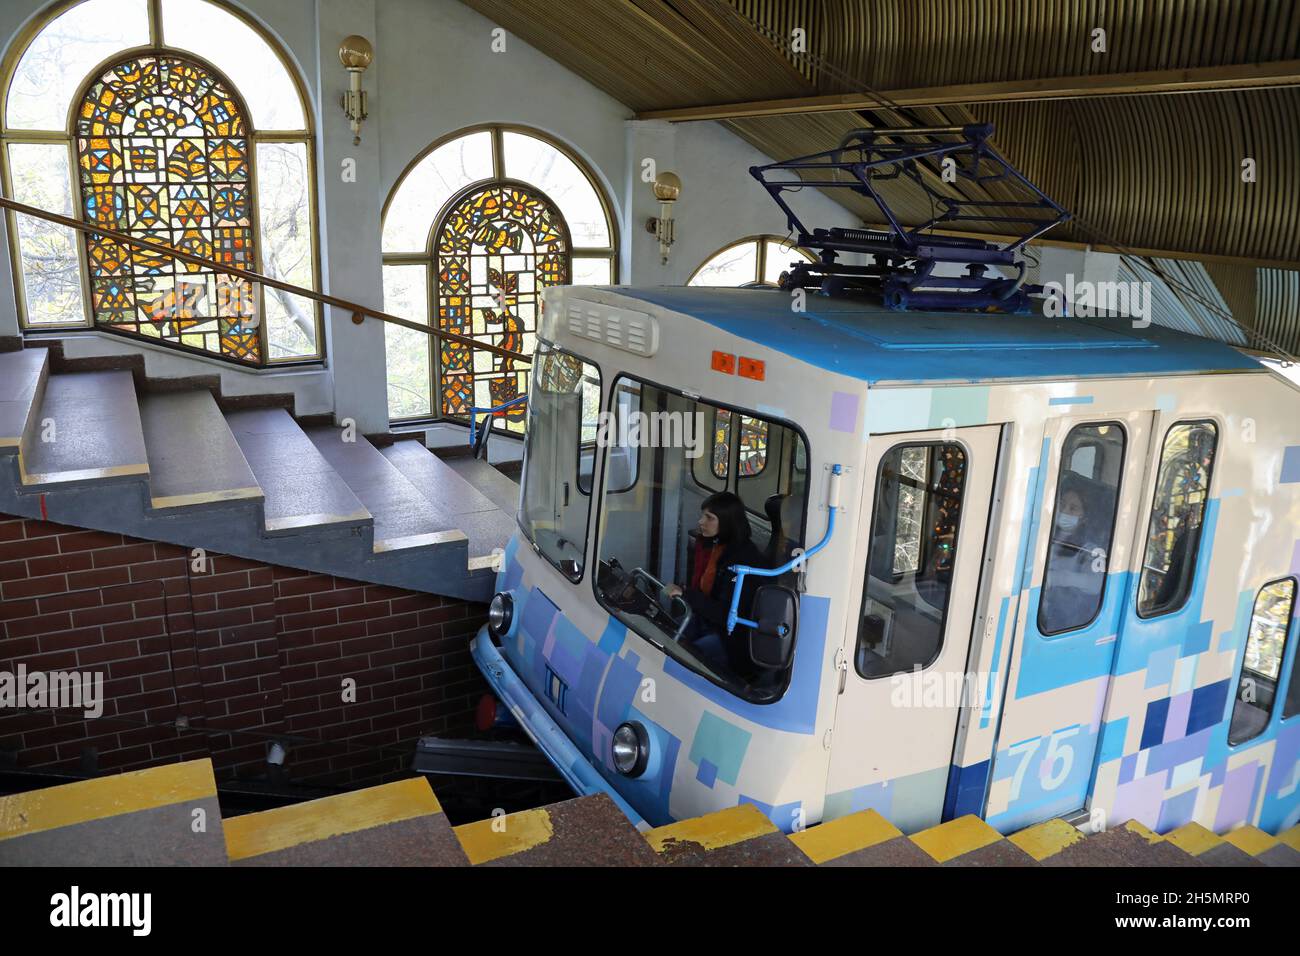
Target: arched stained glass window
[[163, 155], [473, 232], [196, 137], [757, 260], [497, 248]]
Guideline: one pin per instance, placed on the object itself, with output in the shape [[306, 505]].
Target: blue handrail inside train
[[741, 570]]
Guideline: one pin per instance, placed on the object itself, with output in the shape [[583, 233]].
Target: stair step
[[452, 499], [1210, 849], [585, 831], [193, 457], [738, 836], [1044, 840], [301, 489], [140, 818], [94, 421], [402, 515], [1130, 844], [22, 375], [503, 492], [395, 824], [969, 841], [1262, 847]]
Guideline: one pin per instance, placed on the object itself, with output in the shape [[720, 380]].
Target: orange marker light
[[724, 362], [753, 368]]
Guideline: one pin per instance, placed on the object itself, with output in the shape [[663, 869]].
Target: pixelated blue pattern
[[721, 743], [1290, 464], [1176, 811], [621, 685], [966, 788], [1113, 734], [708, 773], [539, 612], [1209, 705], [1197, 638], [567, 651], [1127, 768], [1160, 668], [512, 572], [611, 641], [1153, 728]]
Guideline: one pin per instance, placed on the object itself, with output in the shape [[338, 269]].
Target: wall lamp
[[667, 188], [355, 53]]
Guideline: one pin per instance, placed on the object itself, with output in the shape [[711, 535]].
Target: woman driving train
[[723, 542]]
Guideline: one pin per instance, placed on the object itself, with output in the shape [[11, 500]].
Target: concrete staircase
[[107, 449], [169, 815]]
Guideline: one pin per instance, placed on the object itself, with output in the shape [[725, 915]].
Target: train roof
[[869, 342]]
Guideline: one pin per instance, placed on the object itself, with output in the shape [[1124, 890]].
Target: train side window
[[704, 469], [624, 456], [1083, 528], [752, 438], [1174, 536], [915, 517], [1270, 620], [1291, 706]]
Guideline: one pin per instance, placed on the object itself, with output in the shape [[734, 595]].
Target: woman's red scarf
[[706, 565]]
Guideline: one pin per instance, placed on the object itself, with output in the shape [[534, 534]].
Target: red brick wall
[[246, 652]]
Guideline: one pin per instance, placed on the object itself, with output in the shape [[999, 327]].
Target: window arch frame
[[156, 47], [760, 240], [428, 256]]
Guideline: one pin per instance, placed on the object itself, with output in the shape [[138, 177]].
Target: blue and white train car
[[1060, 576]]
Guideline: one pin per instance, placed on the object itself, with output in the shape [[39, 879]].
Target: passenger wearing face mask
[[1077, 557]]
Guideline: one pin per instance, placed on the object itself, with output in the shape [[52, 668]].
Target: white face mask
[[1067, 523]]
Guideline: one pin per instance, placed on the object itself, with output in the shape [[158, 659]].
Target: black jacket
[[710, 609]]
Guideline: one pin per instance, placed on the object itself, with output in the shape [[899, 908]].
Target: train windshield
[[692, 489], [563, 406]]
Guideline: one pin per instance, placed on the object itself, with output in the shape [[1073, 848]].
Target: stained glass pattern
[[163, 151], [496, 249]]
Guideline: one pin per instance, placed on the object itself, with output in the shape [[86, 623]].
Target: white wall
[[720, 200]]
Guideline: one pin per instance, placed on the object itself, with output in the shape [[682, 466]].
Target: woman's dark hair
[[733, 525]]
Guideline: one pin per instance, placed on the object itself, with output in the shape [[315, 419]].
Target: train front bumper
[[550, 739]]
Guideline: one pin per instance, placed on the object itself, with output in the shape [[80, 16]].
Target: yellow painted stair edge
[[1291, 838], [38, 810], [713, 830], [1253, 840], [844, 835], [486, 840], [255, 834], [1046, 839], [1194, 839], [947, 841]]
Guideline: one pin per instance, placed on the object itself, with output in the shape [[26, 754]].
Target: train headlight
[[630, 749], [500, 613]]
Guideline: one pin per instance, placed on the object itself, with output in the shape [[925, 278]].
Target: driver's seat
[[784, 519]]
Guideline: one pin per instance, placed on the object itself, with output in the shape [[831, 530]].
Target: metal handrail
[[741, 571], [475, 411], [359, 312]]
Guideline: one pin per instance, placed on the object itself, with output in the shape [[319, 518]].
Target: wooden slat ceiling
[[1157, 173]]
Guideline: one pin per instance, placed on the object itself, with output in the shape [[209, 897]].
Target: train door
[[1081, 541], [922, 530]]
